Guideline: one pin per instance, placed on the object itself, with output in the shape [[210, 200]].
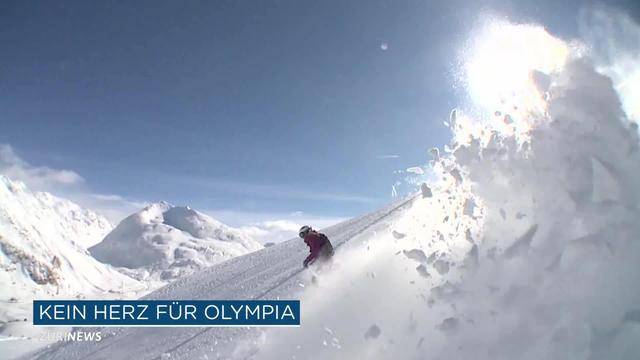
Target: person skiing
[[319, 245]]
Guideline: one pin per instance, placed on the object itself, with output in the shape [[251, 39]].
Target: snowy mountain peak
[[43, 242], [42, 213], [161, 206], [165, 242]]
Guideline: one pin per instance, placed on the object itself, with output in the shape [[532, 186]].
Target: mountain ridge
[[164, 242]]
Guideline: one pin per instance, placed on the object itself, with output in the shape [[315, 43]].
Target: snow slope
[[43, 242], [526, 246], [164, 242], [274, 272], [43, 254]]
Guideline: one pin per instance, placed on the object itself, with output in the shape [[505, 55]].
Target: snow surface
[[532, 221], [274, 272], [43, 254], [43, 241], [164, 242]]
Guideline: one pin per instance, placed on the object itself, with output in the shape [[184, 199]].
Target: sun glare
[[500, 64]]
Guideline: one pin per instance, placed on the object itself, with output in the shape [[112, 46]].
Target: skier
[[319, 245]]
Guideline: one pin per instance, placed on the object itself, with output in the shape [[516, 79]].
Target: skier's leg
[[326, 254]]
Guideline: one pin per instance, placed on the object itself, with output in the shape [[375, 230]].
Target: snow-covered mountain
[[276, 272], [45, 242], [43, 250], [524, 246], [164, 242]]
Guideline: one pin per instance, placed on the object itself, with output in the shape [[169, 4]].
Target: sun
[[499, 63]]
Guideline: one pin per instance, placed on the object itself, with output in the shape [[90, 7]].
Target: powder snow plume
[[525, 247]]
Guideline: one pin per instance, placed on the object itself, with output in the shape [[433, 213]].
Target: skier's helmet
[[304, 231]]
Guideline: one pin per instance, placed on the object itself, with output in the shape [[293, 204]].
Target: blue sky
[[240, 106]]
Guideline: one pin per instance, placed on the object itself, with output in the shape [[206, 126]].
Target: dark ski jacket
[[319, 245]]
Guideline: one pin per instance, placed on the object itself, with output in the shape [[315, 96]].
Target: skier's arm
[[309, 260], [314, 249], [313, 254]]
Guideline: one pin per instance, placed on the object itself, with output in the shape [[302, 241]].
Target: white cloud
[[274, 231], [64, 183], [390, 156], [272, 227], [36, 177]]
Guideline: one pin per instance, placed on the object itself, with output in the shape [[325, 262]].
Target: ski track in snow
[[273, 272]]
